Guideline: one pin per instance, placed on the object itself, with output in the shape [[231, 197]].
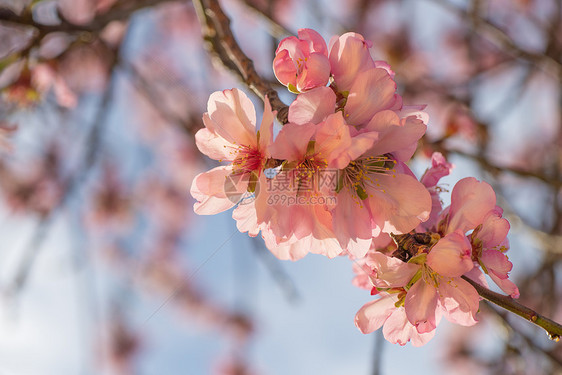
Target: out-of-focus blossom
[[302, 63], [440, 168]]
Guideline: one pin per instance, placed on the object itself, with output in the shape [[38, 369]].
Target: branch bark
[[553, 329], [215, 28]]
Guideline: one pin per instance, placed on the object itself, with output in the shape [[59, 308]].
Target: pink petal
[[266, 129], [315, 40], [292, 141], [285, 250], [476, 275], [209, 190], [420, 305], [494, 230], [284, 68], [451, 256], [398, 137], [232, 116], [373, 314], [371, 92], [214, 146], [335, 144], [316, 72], [312, 106], [349, 55], [352, 224], [460, 300], [390, 272], [471, 200], [398, 330], [497, 261], [439, 169], [506, 285], [246, 219], [398, 202]]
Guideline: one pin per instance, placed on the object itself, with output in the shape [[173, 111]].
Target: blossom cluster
[[334, 181]]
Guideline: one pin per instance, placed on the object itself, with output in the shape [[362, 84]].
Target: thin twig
[[215, 27], [72, 182], [117, 13], [553, 329]]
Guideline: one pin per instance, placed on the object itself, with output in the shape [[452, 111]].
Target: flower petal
[[373, 314], [471, 200], [460, 300], [349, 55], [335, 144], [398, 137], [209, 190], [451, 256], [232, 116], [420, 305], [312, 106], [398, 202], [398, 330], [372, 91], [213, 145], [316, 72]]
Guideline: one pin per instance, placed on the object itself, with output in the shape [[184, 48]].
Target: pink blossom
[[378, 193], [490, 243], [230, 135], [308, 150], [397, 328], [302, 63]]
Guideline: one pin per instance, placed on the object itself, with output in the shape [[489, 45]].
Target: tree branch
[[117, 13], [215, 27], [553, 329]]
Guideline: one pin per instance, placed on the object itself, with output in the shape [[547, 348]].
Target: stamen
[[361, 174], [248, 159]]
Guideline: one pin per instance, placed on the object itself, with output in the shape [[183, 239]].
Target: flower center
[[307, 173], [362, 173], [248, 159]]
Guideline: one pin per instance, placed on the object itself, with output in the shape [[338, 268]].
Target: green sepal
[[339, 185], [293, 89], [418, 259], [361, 193], [253, 182], [414, 279], [310, 148]]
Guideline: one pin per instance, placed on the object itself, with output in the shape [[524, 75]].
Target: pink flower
[[490, 243], [377, 191], [397, 328], [230, 135], [425, 289], [294, 207], [302, 63]]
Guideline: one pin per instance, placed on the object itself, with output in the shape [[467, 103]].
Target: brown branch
[[492, 168], [215, 27], [276, 29], [499, 37], [117, 13], [553, 329]]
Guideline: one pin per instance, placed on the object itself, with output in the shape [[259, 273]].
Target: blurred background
[[104, 267]]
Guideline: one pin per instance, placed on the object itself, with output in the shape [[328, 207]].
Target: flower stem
[[553, 329]]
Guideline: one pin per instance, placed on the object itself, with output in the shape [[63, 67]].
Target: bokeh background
[[104, 267]]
